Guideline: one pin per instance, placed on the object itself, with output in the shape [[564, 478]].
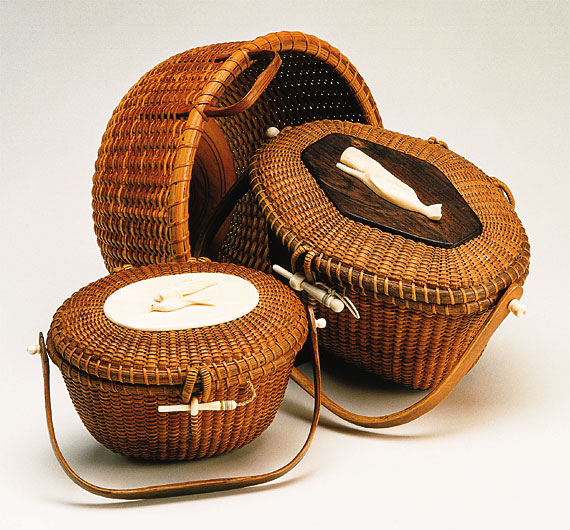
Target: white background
[[489, 78]]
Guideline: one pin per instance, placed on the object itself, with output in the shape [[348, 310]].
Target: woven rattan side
[[128, 422], [420, 305], [143, 175], [403, 345]]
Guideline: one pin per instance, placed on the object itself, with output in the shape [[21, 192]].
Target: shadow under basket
[[118, 377]]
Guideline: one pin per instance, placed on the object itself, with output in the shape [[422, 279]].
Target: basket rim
[[230, 377]]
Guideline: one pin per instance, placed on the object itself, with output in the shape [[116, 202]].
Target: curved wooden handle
[[192, 487], [442, 390], [256, 90]]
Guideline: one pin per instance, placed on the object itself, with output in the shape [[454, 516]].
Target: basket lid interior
[[490, 250], [85, 338], [168, 164]]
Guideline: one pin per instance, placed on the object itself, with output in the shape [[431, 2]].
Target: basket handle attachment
[[504, 188], [509, 302], [261, 83], [192, 487]]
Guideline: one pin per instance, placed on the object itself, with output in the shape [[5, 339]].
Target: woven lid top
[[464, 278], [82, 336]]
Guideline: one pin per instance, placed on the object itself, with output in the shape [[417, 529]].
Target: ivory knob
[[321, 323], [517, 308], [33, 349], [272, 132]]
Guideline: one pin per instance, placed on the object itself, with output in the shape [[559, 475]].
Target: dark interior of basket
[[305, 89]]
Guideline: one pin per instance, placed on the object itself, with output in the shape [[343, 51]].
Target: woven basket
[[186, 131], [421, 305], [118, 377]]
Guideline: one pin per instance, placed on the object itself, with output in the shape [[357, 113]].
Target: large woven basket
[[421, 305], [187, 130], [119, 377]]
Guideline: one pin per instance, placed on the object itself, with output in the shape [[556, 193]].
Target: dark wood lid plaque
[[356, 201]]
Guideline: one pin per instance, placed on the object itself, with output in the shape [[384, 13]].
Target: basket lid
[[270, 329], [357, 238]]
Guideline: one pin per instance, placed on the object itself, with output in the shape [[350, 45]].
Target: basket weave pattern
[[420, 305], [126, 421], [117, 377], [405, 346], [142, 184]]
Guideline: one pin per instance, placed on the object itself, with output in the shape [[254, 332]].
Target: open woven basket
[[187, 130]]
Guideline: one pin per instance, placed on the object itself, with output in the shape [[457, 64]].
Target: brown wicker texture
[[406, 346], [420, 304], [149, 194], [117, 377]]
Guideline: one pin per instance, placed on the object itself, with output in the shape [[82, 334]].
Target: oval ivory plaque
[[181, 301]]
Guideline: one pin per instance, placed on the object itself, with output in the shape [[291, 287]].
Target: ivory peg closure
[[298, 282], [517, 308], [194, 407]]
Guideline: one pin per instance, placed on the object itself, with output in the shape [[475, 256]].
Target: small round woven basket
[[421, 304], [119, 377], [186, 131]]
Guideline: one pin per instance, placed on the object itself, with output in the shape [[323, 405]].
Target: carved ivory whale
[[181, 301], [178, 296], [358, 164]]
